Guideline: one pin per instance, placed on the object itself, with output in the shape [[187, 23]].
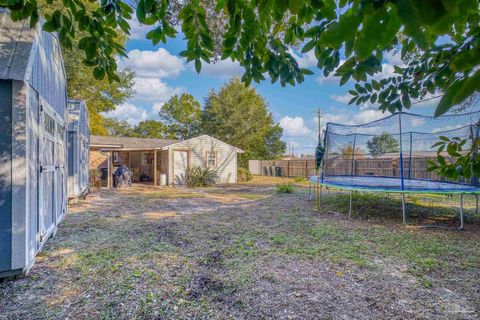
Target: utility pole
[[319, 116]]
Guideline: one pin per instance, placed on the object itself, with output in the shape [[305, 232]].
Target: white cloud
[[137, 30], [348, 118], [369, 115], [393, 58], [153, 64], [305, 60], [447, 128], [294, 126], [129, 112], [157, 106], [221, 68], [341, 98], [417, 122], [154, 90]]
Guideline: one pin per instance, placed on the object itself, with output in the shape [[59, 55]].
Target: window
[[115, 157], [60, 132], [49, 125], [211, 159]]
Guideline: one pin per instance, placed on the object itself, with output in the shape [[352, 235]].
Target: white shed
[[78, 139], [33, 106]]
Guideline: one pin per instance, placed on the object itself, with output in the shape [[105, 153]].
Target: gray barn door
[[60, 171], [84, 165], [47, 197]]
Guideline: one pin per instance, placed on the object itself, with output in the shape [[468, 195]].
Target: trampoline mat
[[385, 184]]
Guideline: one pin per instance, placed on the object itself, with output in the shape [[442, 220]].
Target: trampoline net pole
[[401, 166], [401, 148], [410, 157]]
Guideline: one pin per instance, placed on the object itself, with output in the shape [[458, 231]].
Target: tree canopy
[[438, 39], [101, 95], [181, 116], [238, 115], [384, 143]]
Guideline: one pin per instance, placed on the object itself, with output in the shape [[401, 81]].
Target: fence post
[[288, 168], [306, 169]]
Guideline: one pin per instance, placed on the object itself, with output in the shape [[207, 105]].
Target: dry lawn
[[244, 252]]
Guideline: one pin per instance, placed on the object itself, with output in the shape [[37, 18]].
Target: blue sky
[[161, 73]]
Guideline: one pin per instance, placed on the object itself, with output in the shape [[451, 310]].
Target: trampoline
[[391, 155]]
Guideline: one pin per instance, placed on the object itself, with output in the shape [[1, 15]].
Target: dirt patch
[[224, 252]]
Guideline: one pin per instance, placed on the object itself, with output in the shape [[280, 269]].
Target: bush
[[243, 175], [201, 177], [285, 188]]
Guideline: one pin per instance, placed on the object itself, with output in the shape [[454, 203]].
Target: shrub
[[201, 177], [243, 175], [285, 188]]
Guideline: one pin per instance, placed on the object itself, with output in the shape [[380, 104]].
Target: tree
[[118, 128], [348, 152], [101, 95], [382, 144], [238, 115], [181, 116], [151, 129], [259, 34]]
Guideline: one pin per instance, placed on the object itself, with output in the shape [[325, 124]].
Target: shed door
[[60, 186], [48, 208], [83, 172], [180, 166]]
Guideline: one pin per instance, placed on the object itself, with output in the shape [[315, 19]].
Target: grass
[[248, 259]]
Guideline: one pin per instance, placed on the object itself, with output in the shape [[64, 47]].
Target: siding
[[198, 147], [47, 75], [5, 175], [33, 114], [20, 187]]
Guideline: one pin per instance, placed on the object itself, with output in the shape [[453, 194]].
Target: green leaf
[[198, 65], [99, 73], [457, 93], [308, 46], [306, 71]]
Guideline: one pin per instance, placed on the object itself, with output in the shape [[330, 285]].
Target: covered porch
[[146, 165]]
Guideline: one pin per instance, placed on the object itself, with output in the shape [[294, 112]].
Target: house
[[78, 150], [33, 109], [157, 159]]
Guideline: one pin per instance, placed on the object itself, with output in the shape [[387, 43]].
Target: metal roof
[[107, 142], [16, 40]]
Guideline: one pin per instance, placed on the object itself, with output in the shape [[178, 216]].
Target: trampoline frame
[[319, 188], [319, 183]]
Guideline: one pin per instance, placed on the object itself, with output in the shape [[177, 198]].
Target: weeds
[[284, 188]]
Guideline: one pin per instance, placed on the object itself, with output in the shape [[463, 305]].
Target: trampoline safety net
[[391, 154]]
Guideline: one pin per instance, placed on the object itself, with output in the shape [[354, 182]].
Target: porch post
[[154, 167], [109, 170]]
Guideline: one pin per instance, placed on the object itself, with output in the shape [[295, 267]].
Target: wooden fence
[[389, 167]]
